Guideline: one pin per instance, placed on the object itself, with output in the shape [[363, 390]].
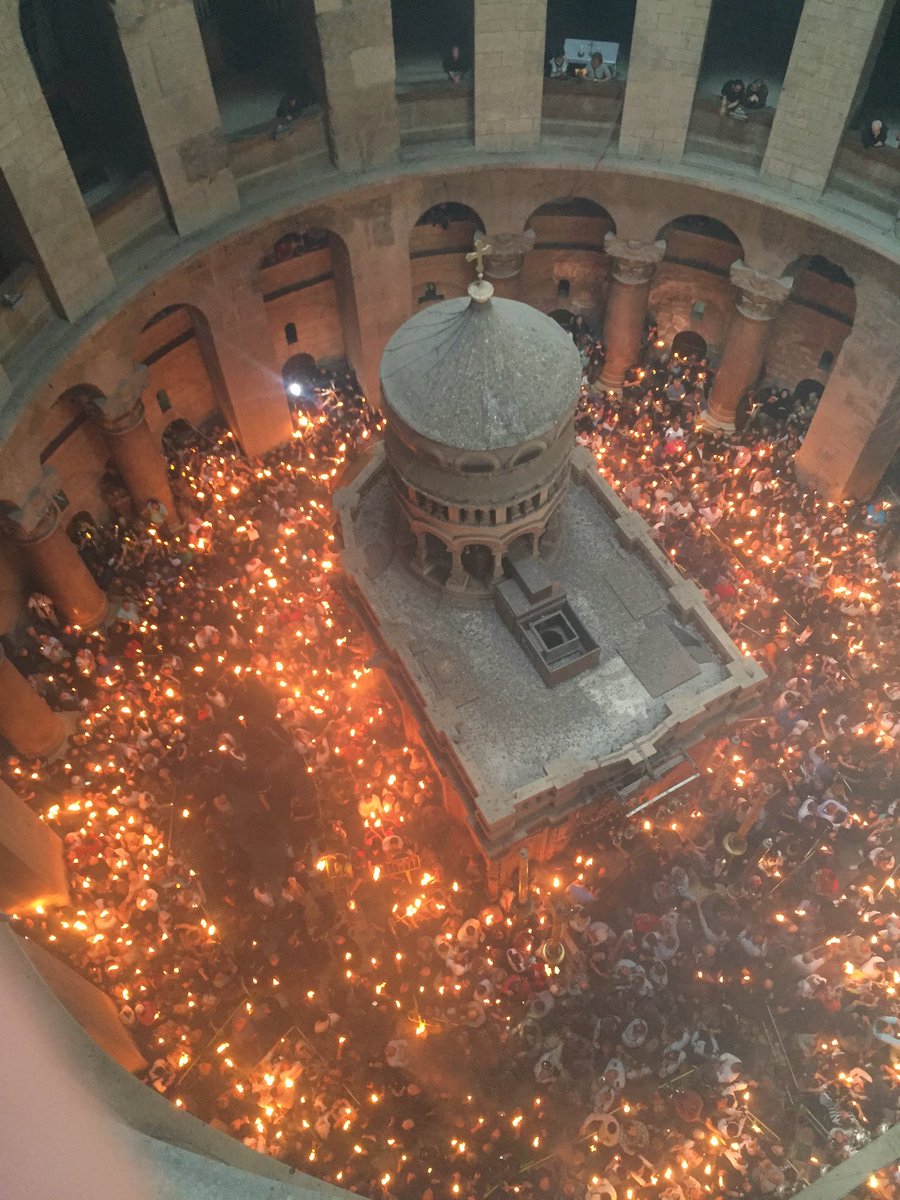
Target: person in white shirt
[[559, 66], [598, 70]]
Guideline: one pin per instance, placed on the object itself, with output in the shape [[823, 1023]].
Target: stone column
[[372, 274], [509, 73], [48, 216], [457, 579], [55, 564], [164, 51], [666, 49], [138, 458], [830, 53], [357, 44], [27, 721], [32, 867], [240, 355], [759, 299], [856, 430], [633, 264]]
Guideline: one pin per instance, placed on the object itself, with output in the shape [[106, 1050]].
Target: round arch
[[447, 213], [688, 344], [438, 561], [704, 241], [578, 217], [806, 389], [478, 562], [299, 374]]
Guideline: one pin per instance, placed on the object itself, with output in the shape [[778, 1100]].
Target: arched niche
[[689, 344], [438, 244], [177, 347], [568, 251], [437, 560], [692, 287], [307, 289], [478, 562], [813, 323]]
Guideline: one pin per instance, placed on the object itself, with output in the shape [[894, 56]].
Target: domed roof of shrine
[[477, 373]]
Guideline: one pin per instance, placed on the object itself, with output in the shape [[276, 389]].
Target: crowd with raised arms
[[698, 1001]]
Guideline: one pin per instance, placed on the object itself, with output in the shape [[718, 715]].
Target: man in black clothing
[[874, 135], [455, 64], [732, 95], [755, 96]]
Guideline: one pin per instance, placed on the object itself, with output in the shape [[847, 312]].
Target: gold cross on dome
[[477, 255]]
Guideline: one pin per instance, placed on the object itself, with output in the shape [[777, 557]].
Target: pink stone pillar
[[132, 446], [633, 265], [57, 568], [758, 301], [27, 721], [32, 867]]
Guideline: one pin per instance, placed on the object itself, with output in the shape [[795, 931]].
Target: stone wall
[[80, 460], [830, 51], [42, 206], [164, 52], [666, 48], [356, 39], [674, 292], [509, 72]]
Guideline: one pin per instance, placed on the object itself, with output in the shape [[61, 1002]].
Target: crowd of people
[[699, 1000]]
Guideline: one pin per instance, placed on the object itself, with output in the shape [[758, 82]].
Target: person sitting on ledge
[[875, 135], [755, 96], [732, 96], [558, 66], [598, 70], [455, 64]]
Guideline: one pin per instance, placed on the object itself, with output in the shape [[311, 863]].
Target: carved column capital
[[506, 255], [123, 409], [633, 261], [38, 514], [760, 296]]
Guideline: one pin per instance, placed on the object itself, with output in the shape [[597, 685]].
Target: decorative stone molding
[[760, 296], [506, 254], [633, 261]]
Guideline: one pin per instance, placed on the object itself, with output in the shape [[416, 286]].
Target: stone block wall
[[80, 461], [587, 273], [830, 51], [800, 338], [856, 430], [509, 73], [666, 48], [314, 311], [357, 44], [673, 294], [40, 204], [164, 51]]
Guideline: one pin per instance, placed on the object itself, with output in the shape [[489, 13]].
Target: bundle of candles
[[700, 1001]]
